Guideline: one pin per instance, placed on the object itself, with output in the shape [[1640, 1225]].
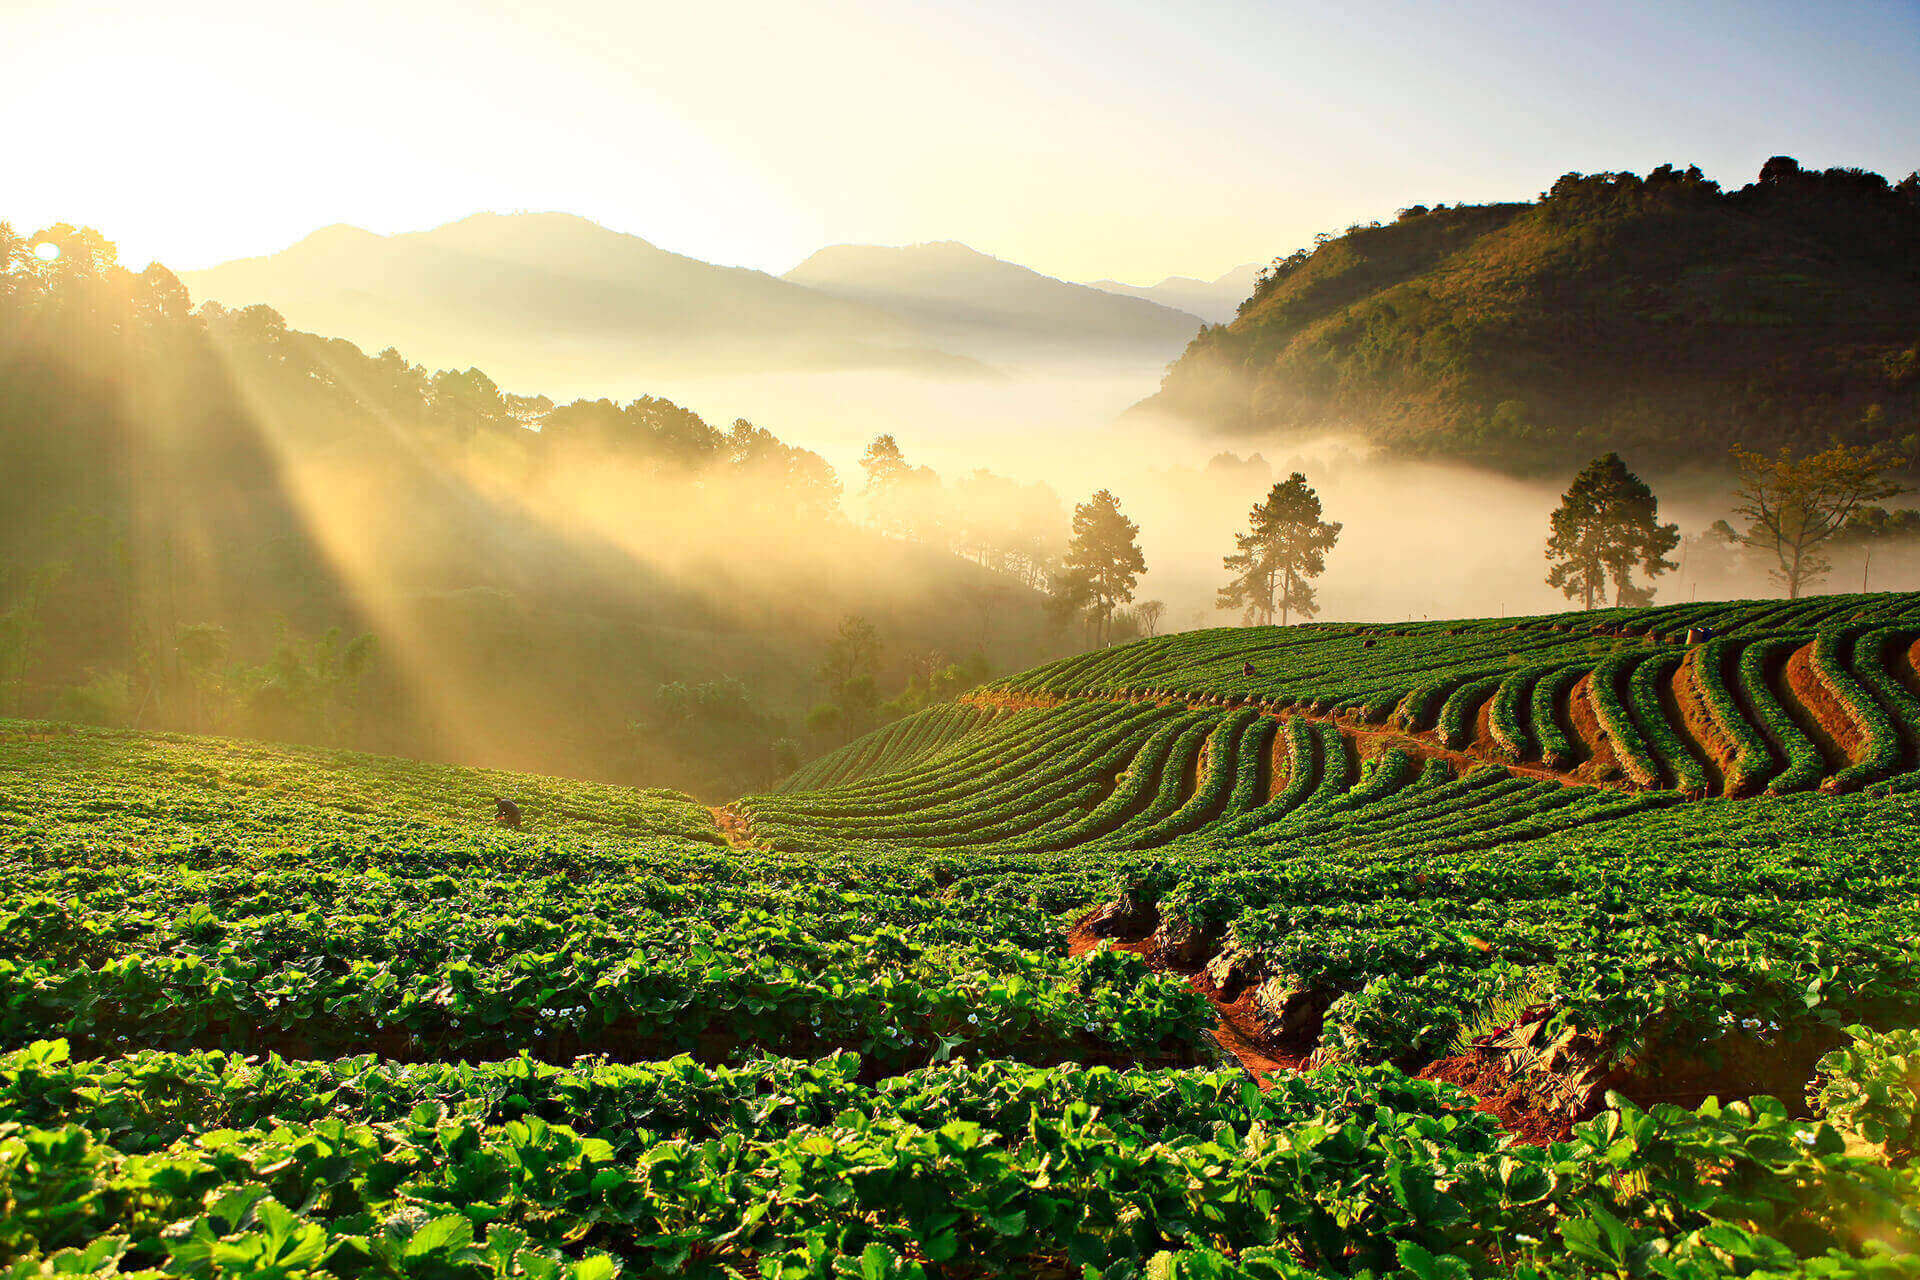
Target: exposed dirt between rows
[[1810, 701], [1597, 764], [1496, 1092], [733, 824], [1700, 726], [1906, 668], [1240, 1028], [1685, 703], [1482, 743], [1279, 768], [1368, 739]]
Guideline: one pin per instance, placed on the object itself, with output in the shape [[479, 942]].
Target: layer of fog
[[1420, 539]]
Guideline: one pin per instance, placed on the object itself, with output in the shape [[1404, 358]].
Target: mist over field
[[1419, 540]]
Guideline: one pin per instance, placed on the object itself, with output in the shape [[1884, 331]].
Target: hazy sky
[[1086, 140]]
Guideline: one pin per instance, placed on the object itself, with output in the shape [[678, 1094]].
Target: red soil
[[1687, 709], [1497, 1094], [1279, 766], [1482, 743], [1840, 738], [1241, 1030], [733, 825], [1905, 666], [1597, 761]]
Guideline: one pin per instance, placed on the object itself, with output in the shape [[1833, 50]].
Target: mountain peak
[[495, 228], [955, 289], [337, 235]]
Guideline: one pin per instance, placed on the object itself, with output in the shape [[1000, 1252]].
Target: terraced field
[[1328, 950]]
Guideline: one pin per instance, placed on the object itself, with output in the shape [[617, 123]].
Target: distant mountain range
[[1215, 301], [550, 300], [1658, 316], [519, 293], [983, 306]]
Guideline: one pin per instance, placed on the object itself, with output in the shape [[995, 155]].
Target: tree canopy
[[1103, 562], [1793, 505], [1285, 545], [1608, 525]]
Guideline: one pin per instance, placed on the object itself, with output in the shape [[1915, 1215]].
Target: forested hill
[[1659, 316], [218, 523]]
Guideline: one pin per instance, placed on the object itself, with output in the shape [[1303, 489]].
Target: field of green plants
[[1435, 951]]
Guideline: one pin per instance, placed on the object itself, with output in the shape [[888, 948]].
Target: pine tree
[[1285, 545], [1103, 562], [1608, 524]]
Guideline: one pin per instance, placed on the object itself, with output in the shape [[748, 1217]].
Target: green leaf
[[1430, 1266], [450, 1231], [1011, 1224]]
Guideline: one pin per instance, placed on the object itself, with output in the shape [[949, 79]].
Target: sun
[[46, 251]]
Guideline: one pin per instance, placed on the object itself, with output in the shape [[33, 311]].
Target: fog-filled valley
[[577, 568]]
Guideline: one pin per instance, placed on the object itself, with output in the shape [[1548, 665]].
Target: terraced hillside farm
[[1418, 951]]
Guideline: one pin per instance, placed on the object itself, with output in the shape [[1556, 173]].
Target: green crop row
[[1645, 703], [467, 1182], [1805, 766], [1882, 751]]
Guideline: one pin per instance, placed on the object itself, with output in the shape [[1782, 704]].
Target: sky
[[1086, 140]]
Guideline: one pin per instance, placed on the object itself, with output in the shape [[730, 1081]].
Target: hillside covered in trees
[[218, 523], [1659, 315]]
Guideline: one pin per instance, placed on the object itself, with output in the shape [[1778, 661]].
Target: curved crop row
[[1548, 695], [1805, 766], [1053, 738], [1229, 736], [1003, 805], [1507, 719], [1168, 787], [1874, 656], [1882, 755], [1635, 756], [1136, 785], [1303, 772], [1647, 706], [1753, 761]]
